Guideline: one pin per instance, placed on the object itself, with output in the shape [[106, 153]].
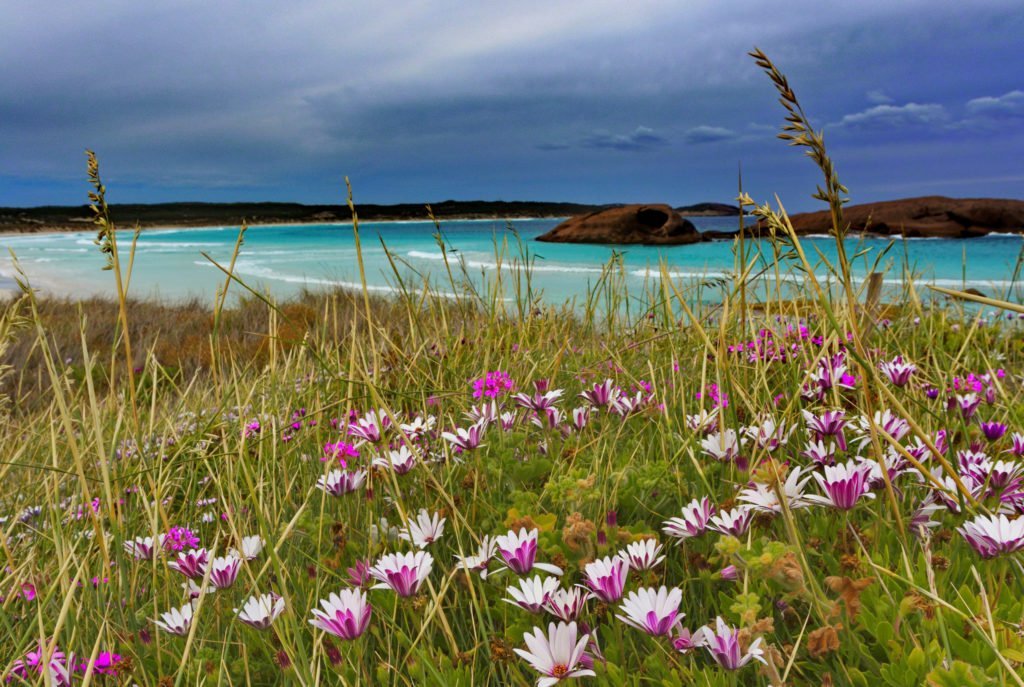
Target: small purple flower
[[492, 385], [993, 431]]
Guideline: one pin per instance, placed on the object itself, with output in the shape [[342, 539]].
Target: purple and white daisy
[[341, 482], [533, 592], [723, 643], [557, 656], [606, 578], [191, 563], [424, 530], [733, 522], [693, 522], [994, 535], [260, 610], [654, 611], [250, 549], [402, 573], [898, 370], [567, 604], [519, 551], [224, 571], [176, 621], [643, 555], [401, 461], [346, 615], [843, 485]]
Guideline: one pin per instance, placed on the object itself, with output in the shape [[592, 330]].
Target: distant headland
[[172, 215]]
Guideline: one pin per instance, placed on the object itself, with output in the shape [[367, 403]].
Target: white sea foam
[[456, 258]]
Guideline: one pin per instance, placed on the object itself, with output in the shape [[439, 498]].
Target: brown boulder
[[646, 224], [933, 216]]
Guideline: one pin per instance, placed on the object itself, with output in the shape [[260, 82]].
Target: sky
[[594, 101]]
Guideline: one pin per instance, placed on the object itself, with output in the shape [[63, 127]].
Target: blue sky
[[589, 101]]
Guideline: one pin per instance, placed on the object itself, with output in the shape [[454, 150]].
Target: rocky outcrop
[[643, 224], [930, 216]]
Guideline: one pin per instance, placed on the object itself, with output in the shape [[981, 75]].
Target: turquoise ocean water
[[284, 258]]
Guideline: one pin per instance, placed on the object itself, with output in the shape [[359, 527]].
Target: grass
[[128, 419]]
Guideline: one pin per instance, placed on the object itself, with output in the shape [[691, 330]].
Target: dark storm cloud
[[251, 99]]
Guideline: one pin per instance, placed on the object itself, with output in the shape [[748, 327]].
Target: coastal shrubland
[[649, 488]]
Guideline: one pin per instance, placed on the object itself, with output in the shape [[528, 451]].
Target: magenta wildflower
[[492, 385], [339, 451], [178, 539]]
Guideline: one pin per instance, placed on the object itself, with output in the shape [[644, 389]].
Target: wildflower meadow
[[704, 483]]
